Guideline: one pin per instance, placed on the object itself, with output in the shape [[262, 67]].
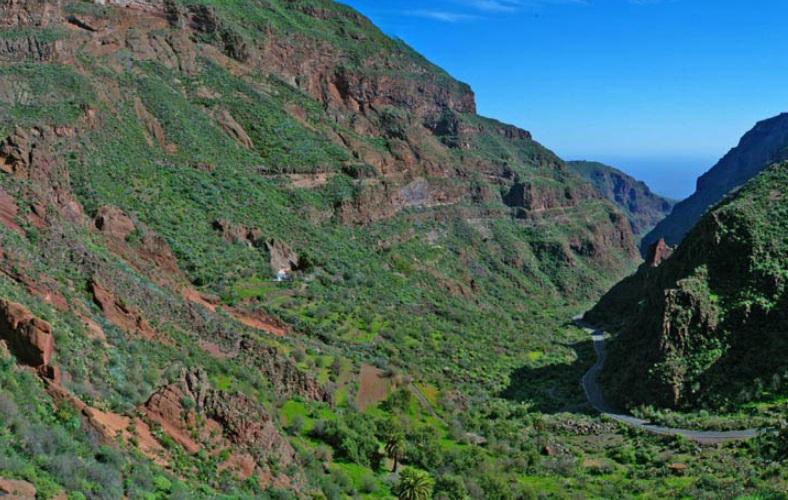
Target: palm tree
[[413, 485], [395, 448]]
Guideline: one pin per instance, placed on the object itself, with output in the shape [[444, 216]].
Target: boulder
[[678, 469], [12, 489], [113, 222]]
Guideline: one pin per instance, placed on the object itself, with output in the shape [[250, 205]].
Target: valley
[[261, 249]]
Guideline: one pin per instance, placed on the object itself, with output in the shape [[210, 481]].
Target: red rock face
[[28, 155], [8, 211], [658, 253], [246, 428], [120, 314], [28, 338]]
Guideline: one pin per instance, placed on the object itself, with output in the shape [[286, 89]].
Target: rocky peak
[[658, 253]]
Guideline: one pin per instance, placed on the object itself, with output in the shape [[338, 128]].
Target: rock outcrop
[[30, 13], [246, 425], [118, 312], [28, 338], [237, 233], [546, 195], [232, 128], [15, 152], [156, 133], [14, 489], [31, 49], [28, 155], [113, 222], [283, 258], [286, 379], [658, 253], [8, 211], [147, 5]]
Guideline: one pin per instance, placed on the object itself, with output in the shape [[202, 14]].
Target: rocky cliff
[[644, 209], [706, 325], [765, 144]]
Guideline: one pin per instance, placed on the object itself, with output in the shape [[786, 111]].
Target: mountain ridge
[[644, 208], [764, 144]]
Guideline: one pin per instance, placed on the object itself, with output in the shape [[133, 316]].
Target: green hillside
[[707, 326]]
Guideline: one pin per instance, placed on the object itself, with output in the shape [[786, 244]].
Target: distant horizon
[[610, 80], [672, 177]]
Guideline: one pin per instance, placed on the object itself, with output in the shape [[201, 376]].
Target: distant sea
[[669, 176]]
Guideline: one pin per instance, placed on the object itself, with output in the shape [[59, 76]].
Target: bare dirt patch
[[373, 387], [260, 321], [255, 319], [310, 181]]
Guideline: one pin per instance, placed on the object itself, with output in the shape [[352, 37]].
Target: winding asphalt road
[[597, 400]]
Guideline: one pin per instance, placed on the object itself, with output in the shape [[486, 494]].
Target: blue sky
[[659, 88]]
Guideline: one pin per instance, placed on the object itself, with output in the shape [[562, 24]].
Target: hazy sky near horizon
[[663, 88]]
